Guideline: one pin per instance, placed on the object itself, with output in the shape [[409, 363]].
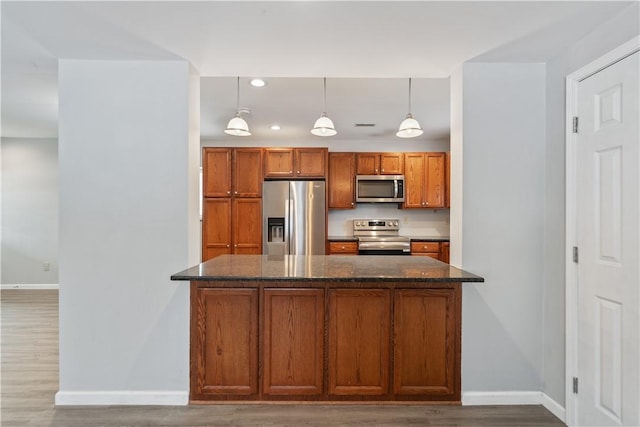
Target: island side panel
[[224, 350], [427, 344]]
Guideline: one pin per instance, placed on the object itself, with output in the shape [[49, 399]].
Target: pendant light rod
[[409, 95], [324, 102], [238, 94]]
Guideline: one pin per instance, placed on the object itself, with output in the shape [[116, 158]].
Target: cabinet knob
[[228, 246], [228, 192], [235, 192], [235, 246], [341, 247], [298, 172], [382, 170], [376, 170], [290, 171], [351, 203]]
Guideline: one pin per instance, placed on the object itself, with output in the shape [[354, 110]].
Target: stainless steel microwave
[[380, 188]]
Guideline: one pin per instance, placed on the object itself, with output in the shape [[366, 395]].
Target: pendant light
[[324, 125], [237, 125], [409, 128]]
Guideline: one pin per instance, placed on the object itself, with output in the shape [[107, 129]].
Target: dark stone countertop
[[429, 238], [325, 268], [342, 238]]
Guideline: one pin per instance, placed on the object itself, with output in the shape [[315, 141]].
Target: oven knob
[[395, 223], [358, 224]]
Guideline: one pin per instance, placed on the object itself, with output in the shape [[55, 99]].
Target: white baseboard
[[554, 407], [470, 398], [30, 286], [169, 398]]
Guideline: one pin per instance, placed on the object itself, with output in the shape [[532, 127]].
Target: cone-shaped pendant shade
[[324, 126], [409, 128], [237, 127]]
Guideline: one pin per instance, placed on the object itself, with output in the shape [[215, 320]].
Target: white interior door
[[608, 232]]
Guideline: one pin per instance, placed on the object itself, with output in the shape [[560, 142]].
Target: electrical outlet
[[46, 266]]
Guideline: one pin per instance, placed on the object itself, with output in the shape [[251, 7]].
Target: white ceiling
[[366, 49]]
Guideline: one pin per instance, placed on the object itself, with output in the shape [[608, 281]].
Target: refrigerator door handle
[[287, 227], [291, 216]]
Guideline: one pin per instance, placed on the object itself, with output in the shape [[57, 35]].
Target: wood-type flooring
[[29, 339]]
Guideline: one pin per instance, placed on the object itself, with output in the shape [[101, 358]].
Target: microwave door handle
[[395, 188]]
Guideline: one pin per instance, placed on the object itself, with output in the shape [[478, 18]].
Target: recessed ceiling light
[[275, 127], [258, 83]]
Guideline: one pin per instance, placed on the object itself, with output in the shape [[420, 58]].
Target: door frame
[[571, 268]]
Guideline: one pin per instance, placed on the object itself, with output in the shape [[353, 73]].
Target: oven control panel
[[376, 224]]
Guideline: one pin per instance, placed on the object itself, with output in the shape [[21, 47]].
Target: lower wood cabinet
[[224, 343], [342, 248], [359, 339], [293, 341], [325, 343], [426, 350]]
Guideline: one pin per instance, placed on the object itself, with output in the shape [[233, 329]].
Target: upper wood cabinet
[[295, 162], [232, 172], [341, 184], [424, 180], [379, 163], [447, 185]]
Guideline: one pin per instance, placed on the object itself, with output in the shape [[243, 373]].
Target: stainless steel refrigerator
[[293, 215]]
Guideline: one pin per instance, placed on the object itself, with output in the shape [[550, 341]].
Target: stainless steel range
[[380, 237]]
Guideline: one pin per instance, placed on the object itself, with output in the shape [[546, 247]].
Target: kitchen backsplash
[[413, 222]]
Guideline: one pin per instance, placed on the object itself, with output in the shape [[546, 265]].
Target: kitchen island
[[325, 328]]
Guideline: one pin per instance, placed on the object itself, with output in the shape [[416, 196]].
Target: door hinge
[[575, 254], [575, 385], [575, 125]]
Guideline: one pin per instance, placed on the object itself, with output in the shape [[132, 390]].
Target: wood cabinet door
[[247, 172], [310, 162], [367, 163], [435, 180], [341, 185], [216, 227], [278, 162], [414, 180], [391, 163], [444, 252], [224, 339], [216, 172], [427, 343], [247, 226], [293, 341], [359, 341], [447, 183]]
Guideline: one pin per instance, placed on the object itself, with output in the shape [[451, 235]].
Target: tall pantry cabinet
[[232, 204]]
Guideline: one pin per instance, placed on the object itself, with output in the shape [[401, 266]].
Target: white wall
[[606, 37], [127, 209], [29, 211], [502, 225]]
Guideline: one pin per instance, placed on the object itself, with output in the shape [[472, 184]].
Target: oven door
[[383, 246]]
